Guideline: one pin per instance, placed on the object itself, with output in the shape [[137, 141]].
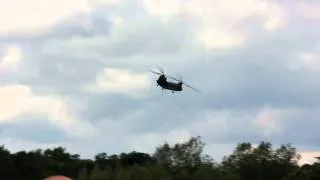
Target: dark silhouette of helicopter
[[164, 84]]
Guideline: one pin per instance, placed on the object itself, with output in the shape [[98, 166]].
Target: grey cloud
[[62, 75], [111, 106], [249, 86], [35, 129], [241, 79], [302, 128], [82, 25], [55, 66], [152, 40], [100, 26]]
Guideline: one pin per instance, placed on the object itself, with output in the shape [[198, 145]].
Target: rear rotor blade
[[191, 87]]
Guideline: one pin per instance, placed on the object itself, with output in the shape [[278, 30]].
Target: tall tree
[[262, 162], [8, 169], [101, 160], [182, 156]]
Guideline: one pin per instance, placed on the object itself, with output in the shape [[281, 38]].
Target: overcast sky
[[76, 74]]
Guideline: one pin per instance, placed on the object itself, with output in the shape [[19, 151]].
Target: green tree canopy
[[180, 161]]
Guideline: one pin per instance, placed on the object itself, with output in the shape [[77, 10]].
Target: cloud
[[308, 9], [269, 121], [309, 61], [218, 39], [223, 28], [11, 59], [31, 16], [33, 128], [82, 69], [308, 157], [120, 81], [19, 100]]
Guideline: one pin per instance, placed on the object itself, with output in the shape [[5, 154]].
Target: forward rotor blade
[[160, 69], [156, 72], [191, 87]]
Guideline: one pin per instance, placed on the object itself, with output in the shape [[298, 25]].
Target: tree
[[262, 162], [136, 158], [8, 169], [89, 164], [181, 161], [181, 156], [101, 160]]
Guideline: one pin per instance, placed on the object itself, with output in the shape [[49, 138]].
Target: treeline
[[182, 161]]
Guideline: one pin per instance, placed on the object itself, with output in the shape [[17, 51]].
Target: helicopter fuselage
[[162, 82]]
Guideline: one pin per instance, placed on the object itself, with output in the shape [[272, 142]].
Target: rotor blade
[[191, 87], [160, 69], [173, 78], [155, 72]]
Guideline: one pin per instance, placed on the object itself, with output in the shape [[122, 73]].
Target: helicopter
[[172, 86]]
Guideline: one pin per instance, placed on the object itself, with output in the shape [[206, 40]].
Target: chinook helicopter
[[172, 86]]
